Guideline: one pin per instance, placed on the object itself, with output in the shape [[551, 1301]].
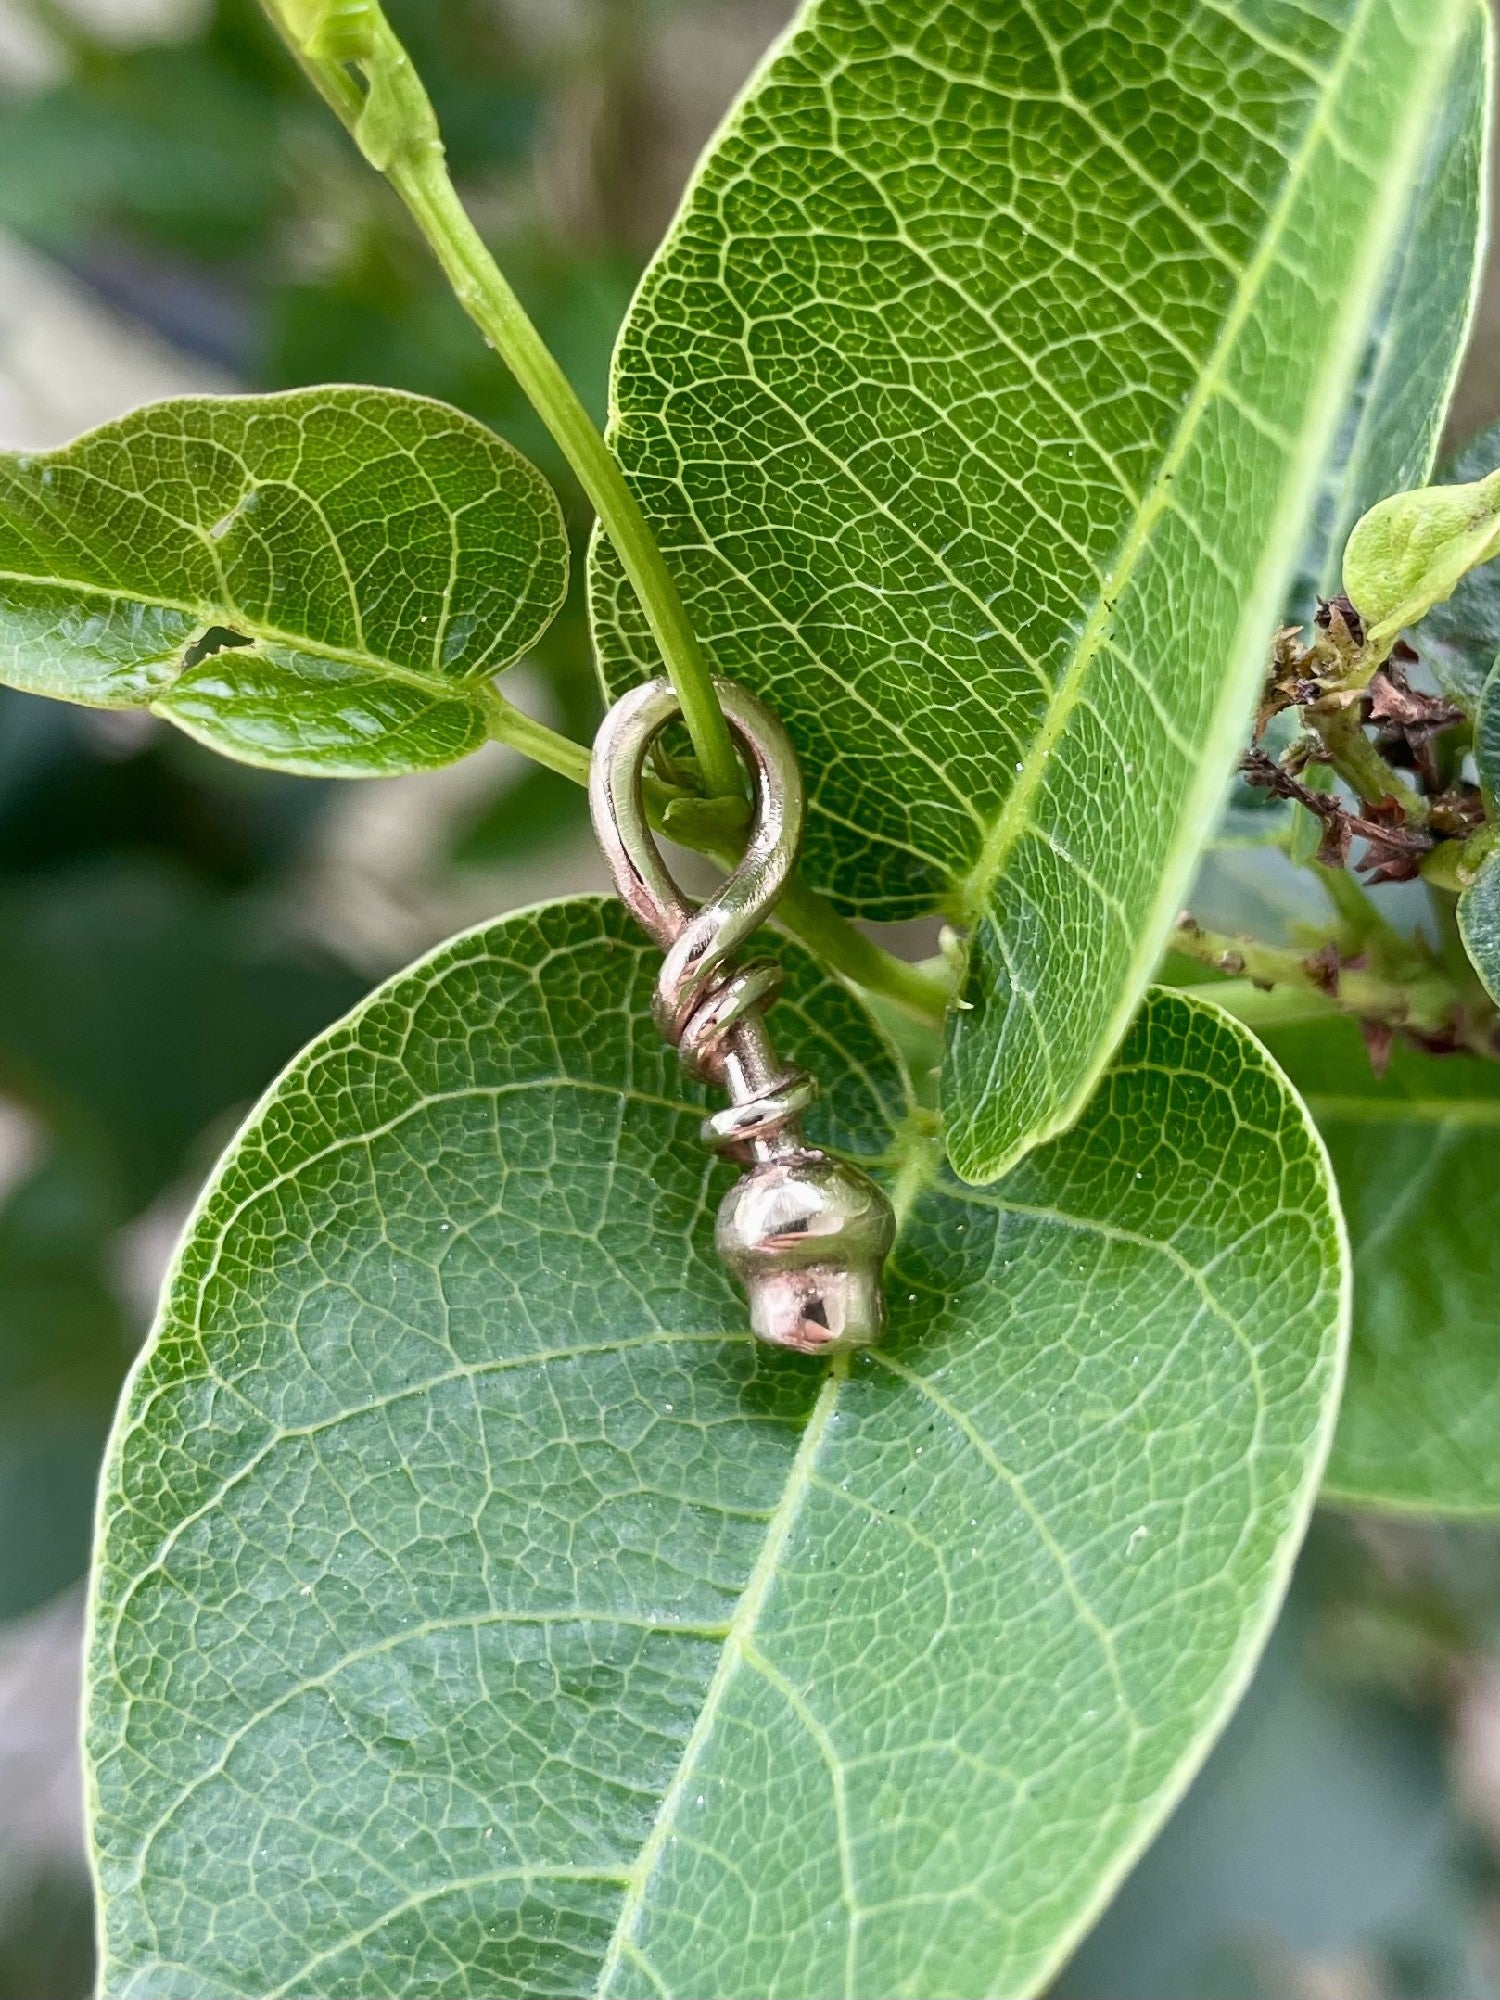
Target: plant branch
[[1265, 1007], [1419, 996], [1360, 764], [1353, 903], [832, 938], [510, 725], [801, 912], [393, 123]]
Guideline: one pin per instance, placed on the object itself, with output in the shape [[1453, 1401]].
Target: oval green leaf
[[1416, 1154], [323, 581], [1479, 905], [979, 397], [478, 1611]]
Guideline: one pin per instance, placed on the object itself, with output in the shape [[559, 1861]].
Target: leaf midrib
[[916, 1171], [260, 631], [919, 1170], [736, 1644], [1013, 819]]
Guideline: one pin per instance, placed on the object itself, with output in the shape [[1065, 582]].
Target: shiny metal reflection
[[806, 1235]]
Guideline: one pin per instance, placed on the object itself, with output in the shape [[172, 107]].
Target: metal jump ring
[[697, 943]]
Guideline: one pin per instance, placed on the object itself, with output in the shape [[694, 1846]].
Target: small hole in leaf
[[217, 639]]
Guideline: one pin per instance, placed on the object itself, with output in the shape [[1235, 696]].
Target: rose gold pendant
[[806, 1235]]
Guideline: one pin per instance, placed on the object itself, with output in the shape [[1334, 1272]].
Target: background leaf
[[1460, 637], [1479, 923], [382, 555], [1479, 905], [63, 1348], [1394, 419], [479, 1611], [1322, 1841], [1416, 1155], [1487, 739], [979, 397], [136, 1008], [181, 1005]]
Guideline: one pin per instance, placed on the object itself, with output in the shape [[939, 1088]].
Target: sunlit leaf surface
[[980, 397], [322, 581], [479, 1612]]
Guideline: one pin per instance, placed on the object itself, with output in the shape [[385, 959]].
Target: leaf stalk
[[1420, 996], [802, 913], [1360, 764], [392, 121]]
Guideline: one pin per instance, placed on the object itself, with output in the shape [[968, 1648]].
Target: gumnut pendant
[[805, 1235]]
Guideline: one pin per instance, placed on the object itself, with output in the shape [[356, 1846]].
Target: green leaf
[[1410, 552], [979, 397], [1479, 923], [1395, 418], [1479, 905], [1487, 740], [136, 1008], [323, 581], [1460, 637], [1416, 1155], [479, 1611]]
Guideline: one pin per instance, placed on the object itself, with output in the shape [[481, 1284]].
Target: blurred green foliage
[[147, 991], [1325, 1849], [204, 188], [150, 981], [207, 187]]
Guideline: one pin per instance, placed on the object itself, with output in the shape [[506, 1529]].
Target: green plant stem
[[489, 301], [407, 149], [1426, 999], [801, 912], [395, 127], [510, 725], [1266, 1007], [835, 940], [1361, 765], [1362, 920]]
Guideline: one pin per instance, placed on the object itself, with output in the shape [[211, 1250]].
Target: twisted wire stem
[[767, 1123], [710, 1009]]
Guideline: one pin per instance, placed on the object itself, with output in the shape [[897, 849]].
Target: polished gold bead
[[806, 1236]]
